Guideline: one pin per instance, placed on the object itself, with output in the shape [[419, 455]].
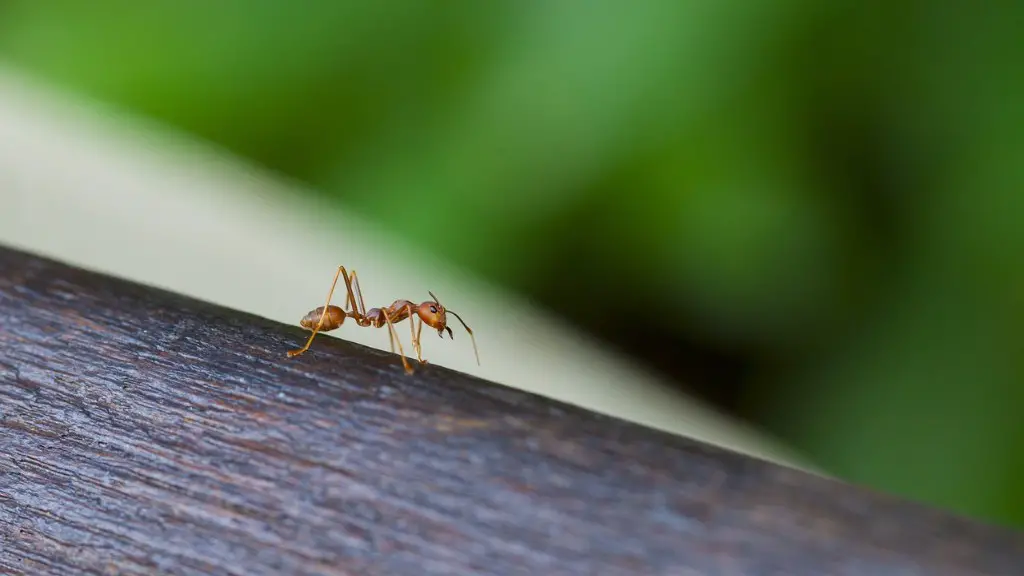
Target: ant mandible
[[431, 312]]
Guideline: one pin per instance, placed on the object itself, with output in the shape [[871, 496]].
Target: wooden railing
[[143, 432]]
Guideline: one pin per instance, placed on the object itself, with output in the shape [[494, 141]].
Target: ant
[[432, 313]]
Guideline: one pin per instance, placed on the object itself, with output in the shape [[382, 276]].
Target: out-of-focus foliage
[[833, 188]]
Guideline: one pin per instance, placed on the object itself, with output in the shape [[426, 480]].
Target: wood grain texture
[[142, 432]]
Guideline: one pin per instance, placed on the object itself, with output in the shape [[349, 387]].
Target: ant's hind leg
[[355, 289], [341, 272]]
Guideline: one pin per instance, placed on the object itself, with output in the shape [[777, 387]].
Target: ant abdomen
[[333, 320]]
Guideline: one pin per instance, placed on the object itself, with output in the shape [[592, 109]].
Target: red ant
[[431, 313]]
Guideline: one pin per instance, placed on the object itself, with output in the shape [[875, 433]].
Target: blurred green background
[[808, 213]]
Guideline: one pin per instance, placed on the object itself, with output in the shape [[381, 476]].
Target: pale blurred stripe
[[108, 192]]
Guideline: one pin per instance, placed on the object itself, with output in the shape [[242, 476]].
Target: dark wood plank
[[142, 432]]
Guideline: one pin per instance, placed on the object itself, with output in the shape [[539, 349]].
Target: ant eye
[[433, 309]]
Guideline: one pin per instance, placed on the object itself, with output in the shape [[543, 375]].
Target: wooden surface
[[142, 432]]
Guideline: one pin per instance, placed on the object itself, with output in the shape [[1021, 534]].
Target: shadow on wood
[[143, 432]]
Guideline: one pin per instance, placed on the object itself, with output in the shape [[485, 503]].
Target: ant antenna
[[471, 337], [463, 322]]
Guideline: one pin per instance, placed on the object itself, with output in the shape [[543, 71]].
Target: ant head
[[432, 313]]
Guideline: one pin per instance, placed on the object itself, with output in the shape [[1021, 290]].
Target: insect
[[431, 312]]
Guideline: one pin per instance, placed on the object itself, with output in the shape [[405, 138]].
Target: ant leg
[[394, 336], [330, 293], [419, 342], [355, 286], [415, 333], [350, 300], [391, 339]]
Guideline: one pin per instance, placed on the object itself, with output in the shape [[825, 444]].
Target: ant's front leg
[[416, 342]]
